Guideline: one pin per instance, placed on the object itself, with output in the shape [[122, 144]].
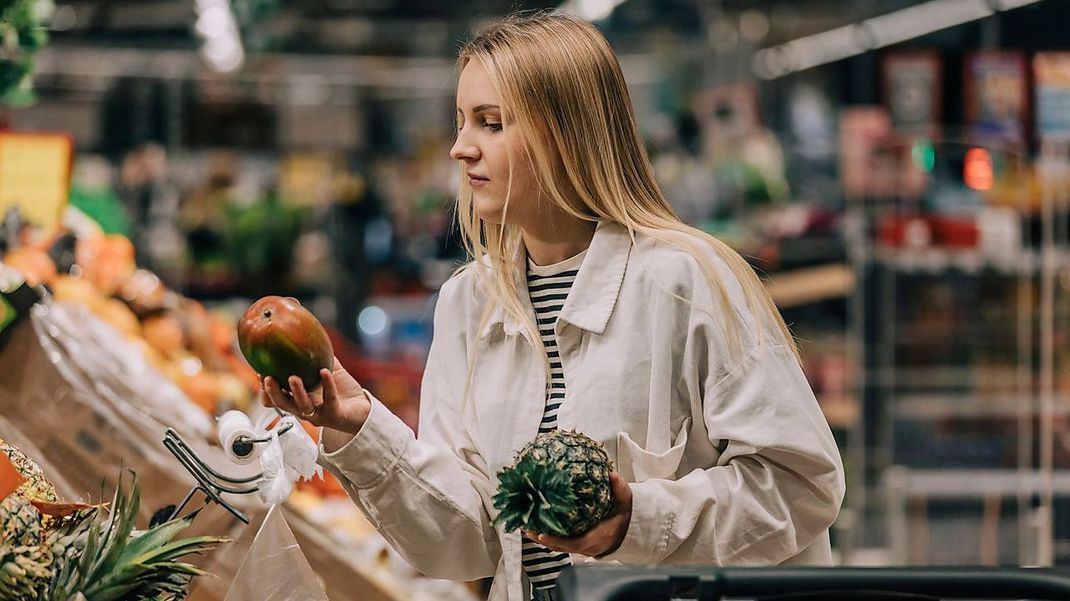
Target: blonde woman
[[587, 305]]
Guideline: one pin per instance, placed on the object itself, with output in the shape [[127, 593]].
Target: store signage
[[912, 85], [35, 176], [997, 96], [1052, 72]]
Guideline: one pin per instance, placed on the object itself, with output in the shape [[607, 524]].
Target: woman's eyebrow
[[480, 108]]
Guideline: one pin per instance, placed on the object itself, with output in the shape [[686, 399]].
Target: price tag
[[10, 478]]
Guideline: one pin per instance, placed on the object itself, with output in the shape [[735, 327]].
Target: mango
[[280, 338]]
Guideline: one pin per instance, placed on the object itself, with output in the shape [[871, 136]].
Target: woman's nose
[[463, 150]]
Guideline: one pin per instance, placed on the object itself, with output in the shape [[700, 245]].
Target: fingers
[[305, 406], [550, 542], [619, 487], [330, 388], [288, 401], [298, 400], [584, 545], [261, 395], [604, 538], [557, 543], [277, 396]]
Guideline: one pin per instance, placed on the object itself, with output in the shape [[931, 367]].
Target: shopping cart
[[613, 583]]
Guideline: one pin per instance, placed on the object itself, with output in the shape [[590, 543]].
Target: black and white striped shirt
[[548, 288]]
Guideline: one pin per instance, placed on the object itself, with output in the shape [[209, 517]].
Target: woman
[[588, 305]]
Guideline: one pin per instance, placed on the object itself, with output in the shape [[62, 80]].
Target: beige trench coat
[[730, 458]]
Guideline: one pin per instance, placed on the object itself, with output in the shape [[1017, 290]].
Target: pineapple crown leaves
[[114, 565], [558, 484], [534, 496]]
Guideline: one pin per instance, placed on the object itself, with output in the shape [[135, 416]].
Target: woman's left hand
[[604, 538]]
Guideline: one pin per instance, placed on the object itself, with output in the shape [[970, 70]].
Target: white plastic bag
[[285, 458], [275, 569]]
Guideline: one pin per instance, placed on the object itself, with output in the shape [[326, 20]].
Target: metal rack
[[1026, 399]]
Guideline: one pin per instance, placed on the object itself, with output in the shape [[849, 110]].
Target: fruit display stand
[[88, 423], [92, 408], [83, 398], [94, 374]]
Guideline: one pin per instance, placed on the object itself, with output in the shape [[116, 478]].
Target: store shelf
[[940, 406], [812, 284], [939, 377], [938, 261], [972, 483], [841, 411]]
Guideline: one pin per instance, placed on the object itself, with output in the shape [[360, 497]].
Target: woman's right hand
[[339, 404]]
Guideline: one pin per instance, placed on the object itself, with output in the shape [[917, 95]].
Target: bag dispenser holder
[[209, 481]]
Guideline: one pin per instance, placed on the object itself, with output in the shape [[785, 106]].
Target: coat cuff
[[373, 451], [648, 528]]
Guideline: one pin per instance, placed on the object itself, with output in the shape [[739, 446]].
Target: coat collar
[[593, 295]]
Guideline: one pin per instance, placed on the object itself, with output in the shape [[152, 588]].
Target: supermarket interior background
[[897, 171]]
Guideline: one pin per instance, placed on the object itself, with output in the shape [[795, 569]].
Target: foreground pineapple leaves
[[558, 484], [97, 557], [531, 496]]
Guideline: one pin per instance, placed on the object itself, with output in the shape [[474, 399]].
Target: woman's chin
[[490, 212]]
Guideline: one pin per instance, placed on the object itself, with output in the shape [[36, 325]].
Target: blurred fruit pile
[[194, 347], [191, 345]]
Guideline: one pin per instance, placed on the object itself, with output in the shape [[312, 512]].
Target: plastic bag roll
[[232, 426]]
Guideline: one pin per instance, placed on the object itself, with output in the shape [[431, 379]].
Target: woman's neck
[[556, 240]]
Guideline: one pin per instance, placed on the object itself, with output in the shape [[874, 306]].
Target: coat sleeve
[[428, 497], [778, 482]]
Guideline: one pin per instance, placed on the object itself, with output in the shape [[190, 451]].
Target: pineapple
[[98, 558], [92, 554], [558, 484], [36, 486], [24, 562]]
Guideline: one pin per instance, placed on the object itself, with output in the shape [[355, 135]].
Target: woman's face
[[485, 145]]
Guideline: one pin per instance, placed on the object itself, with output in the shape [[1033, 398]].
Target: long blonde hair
[[561, 87]]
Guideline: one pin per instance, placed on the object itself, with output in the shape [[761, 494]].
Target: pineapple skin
[[36, 487], [25, 562]]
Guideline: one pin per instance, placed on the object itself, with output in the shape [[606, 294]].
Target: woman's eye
[[492, 126]]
